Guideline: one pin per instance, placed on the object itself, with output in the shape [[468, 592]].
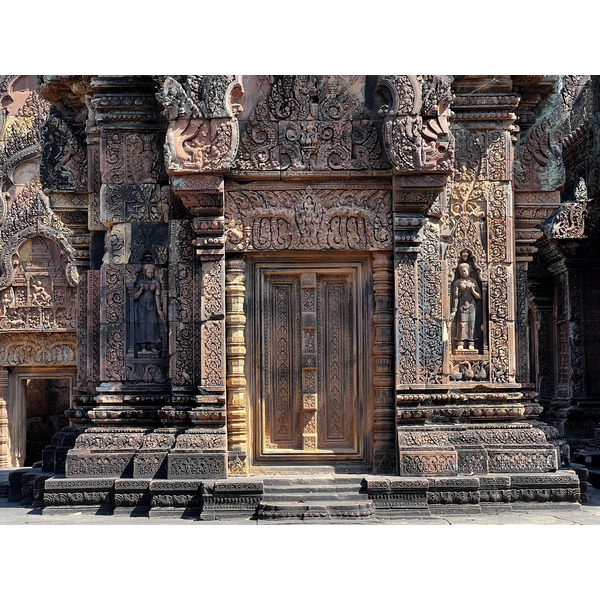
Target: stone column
[[384, 418], [4, 451], [543, 343], [237, 423]]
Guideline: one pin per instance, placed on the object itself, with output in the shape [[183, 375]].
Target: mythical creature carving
[[311, 123], [309, 219], [203, 131], [416, 133], [64, 159]]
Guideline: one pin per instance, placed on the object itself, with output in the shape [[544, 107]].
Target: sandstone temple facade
[[279, 296]]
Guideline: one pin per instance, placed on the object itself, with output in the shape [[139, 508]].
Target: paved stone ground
[[589, 514]]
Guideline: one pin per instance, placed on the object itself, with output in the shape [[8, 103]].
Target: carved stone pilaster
[[200, 145], [532, 208], [542, 298], [407, 234], [461, 316], [4, 451], [237, 408], [383, 351]]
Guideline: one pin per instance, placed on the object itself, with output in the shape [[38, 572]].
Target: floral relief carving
[[310, 219]]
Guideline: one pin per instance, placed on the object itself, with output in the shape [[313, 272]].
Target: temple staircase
[[314, 498]]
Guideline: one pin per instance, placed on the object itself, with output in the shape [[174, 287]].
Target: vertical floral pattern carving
[[406, 321]]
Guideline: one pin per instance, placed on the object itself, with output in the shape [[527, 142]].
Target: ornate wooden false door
[[310, 352]]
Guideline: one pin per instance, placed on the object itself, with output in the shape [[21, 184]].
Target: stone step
[[300, 496], [325, 510], [588, 458], [324, 480], [336, 489]]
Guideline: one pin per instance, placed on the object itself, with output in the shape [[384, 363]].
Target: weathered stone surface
[[260, 275]]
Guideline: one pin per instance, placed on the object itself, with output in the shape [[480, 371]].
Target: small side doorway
[[36, 407]]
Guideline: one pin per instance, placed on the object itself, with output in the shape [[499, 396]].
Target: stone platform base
[[326, 497]]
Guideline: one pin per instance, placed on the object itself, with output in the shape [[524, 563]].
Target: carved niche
[[477, 225], [26, 213], [37, 309]]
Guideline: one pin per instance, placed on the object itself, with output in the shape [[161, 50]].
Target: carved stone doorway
[[37, 401], [310, 375]]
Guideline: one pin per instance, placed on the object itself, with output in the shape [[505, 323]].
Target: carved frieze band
[[38, 350], [308, 219]]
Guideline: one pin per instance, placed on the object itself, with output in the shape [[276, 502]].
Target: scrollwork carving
[[310, 219]]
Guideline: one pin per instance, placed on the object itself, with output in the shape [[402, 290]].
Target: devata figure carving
[[465, 294], [149, 311]]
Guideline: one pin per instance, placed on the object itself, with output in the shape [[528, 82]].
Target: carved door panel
[[310, 361]]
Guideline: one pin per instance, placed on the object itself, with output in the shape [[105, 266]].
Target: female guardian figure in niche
[[147, 295], [465, 294]]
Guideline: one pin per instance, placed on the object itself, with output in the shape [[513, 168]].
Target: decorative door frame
[[295, 263], [378, 409]]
